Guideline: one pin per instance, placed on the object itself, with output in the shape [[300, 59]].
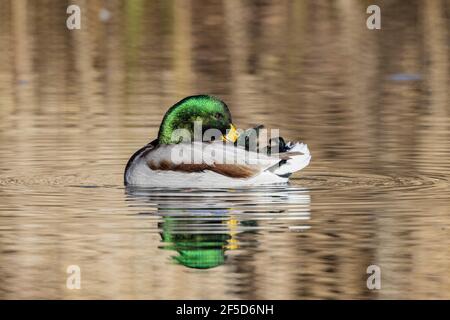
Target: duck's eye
[[218, 116]]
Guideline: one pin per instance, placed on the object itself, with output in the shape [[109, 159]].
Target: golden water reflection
[[373, 107]]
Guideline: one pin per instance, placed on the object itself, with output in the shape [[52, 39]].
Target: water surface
[[373, 107]]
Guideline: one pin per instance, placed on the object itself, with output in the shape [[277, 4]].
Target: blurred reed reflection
[[373, 107]]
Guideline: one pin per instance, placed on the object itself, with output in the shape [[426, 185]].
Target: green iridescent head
[[210, 111]]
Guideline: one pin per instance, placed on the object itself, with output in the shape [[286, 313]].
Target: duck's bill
[[232, 134]]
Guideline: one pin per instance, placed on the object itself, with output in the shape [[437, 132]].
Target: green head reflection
[[199, 243]]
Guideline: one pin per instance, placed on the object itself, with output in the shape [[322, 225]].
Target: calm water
[[373, 107]]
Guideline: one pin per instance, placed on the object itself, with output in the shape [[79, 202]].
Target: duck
[[198, 146]]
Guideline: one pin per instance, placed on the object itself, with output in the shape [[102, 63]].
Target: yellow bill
[[232, 134]]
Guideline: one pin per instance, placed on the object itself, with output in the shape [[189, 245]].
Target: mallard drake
[[198, 146]]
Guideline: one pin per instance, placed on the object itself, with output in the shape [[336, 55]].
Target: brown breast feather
[[229, 170]]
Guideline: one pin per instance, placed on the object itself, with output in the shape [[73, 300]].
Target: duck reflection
[[195, 241], [201, 226]]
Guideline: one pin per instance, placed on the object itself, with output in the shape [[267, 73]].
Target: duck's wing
[[250, 139], [222, 158], [257, 139]]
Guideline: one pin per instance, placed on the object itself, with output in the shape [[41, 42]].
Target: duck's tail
[[294, 157]]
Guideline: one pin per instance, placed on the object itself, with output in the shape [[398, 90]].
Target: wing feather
[[222, 158]]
